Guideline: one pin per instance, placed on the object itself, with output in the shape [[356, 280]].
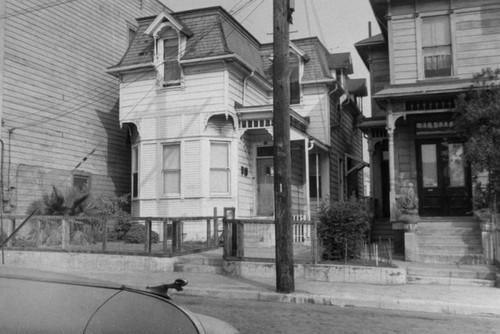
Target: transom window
[[436, 46]]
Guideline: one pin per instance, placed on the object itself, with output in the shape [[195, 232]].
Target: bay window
[[219, 168]]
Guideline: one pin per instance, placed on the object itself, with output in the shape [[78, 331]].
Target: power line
[[35, 9]]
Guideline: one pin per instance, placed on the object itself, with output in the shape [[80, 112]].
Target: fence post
[[176, 236], [240, 239], [209, 233], [216, 230], [314, 242], [65, 233], [105, 234], [165, 235], [228, 232], [147, 242]]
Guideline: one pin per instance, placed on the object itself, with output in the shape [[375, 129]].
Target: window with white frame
[[437, 46], [168, 50], [135, 172], [220, 172], [171, 171]]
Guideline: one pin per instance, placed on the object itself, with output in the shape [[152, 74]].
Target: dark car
[[34, 301]]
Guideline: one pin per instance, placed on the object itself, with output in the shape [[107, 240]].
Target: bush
[[342, 229], [137, 235]]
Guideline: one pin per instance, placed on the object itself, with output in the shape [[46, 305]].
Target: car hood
[[215, 326]]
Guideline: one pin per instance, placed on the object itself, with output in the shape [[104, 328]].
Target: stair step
[[449, 224], [450, 281], [448, 231], [450, 240], [451, 249], [465, 272], [195, 268], [470, 259]]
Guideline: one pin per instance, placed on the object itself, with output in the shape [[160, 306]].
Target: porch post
[[308, 197], [391, 122]]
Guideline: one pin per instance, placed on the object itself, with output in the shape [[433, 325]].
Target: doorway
[[265, 187], [444, 182]]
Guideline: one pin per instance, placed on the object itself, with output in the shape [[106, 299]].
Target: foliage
[[481, 197], [342, 229], [477, 121], [110, 205], [137, 235], [69, 202]]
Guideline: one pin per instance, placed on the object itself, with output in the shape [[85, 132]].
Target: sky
[[339, 24]]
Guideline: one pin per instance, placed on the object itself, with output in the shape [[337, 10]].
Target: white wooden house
[[196, 95]]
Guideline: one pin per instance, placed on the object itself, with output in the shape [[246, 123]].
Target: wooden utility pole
[[282, 158]]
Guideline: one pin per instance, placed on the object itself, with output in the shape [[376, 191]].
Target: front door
[[443, 179], [265, 187]]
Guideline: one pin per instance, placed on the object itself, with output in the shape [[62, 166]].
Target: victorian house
[[196, 97], [426, 55]]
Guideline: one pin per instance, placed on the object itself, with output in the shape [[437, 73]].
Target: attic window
[[168, 50]]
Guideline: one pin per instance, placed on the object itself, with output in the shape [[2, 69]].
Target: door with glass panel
[[443, 179]]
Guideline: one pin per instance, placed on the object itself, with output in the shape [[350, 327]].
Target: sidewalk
[[478, 301]]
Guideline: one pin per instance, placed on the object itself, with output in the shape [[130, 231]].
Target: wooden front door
[[444, 184], [265, 187]]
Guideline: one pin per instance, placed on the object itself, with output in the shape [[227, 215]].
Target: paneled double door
[[444, 178]]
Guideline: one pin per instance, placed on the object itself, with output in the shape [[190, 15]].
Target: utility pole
[[282, 158]]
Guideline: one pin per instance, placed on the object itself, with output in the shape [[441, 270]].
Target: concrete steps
[[453, 240], [202, 263], [467, 275]]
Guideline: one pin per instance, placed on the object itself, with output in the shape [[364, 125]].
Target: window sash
[[436, 46], [172, 70], [219, 168], [171, 170]]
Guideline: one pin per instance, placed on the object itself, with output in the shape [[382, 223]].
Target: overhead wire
[[35, 9]]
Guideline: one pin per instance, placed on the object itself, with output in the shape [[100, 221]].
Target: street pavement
[[460, 300]]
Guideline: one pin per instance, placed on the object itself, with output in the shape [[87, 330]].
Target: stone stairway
[[450, 253], [452, 240]]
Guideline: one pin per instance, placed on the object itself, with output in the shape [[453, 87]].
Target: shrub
[[342, 229], [137, 235]]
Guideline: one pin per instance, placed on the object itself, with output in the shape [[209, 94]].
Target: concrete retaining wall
[[321, 273], [86, 261]]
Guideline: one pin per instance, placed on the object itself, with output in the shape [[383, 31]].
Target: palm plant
[[70, 202]]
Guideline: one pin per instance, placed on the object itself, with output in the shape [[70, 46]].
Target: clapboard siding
[[315, 105], [246, 182], [404, 51], [477, 41], [191, 169], [203, 91], [58, 102]]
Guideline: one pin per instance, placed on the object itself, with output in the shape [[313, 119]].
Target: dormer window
[[168, 53]]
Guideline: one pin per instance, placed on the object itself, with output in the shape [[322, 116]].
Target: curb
[[414, 305]]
